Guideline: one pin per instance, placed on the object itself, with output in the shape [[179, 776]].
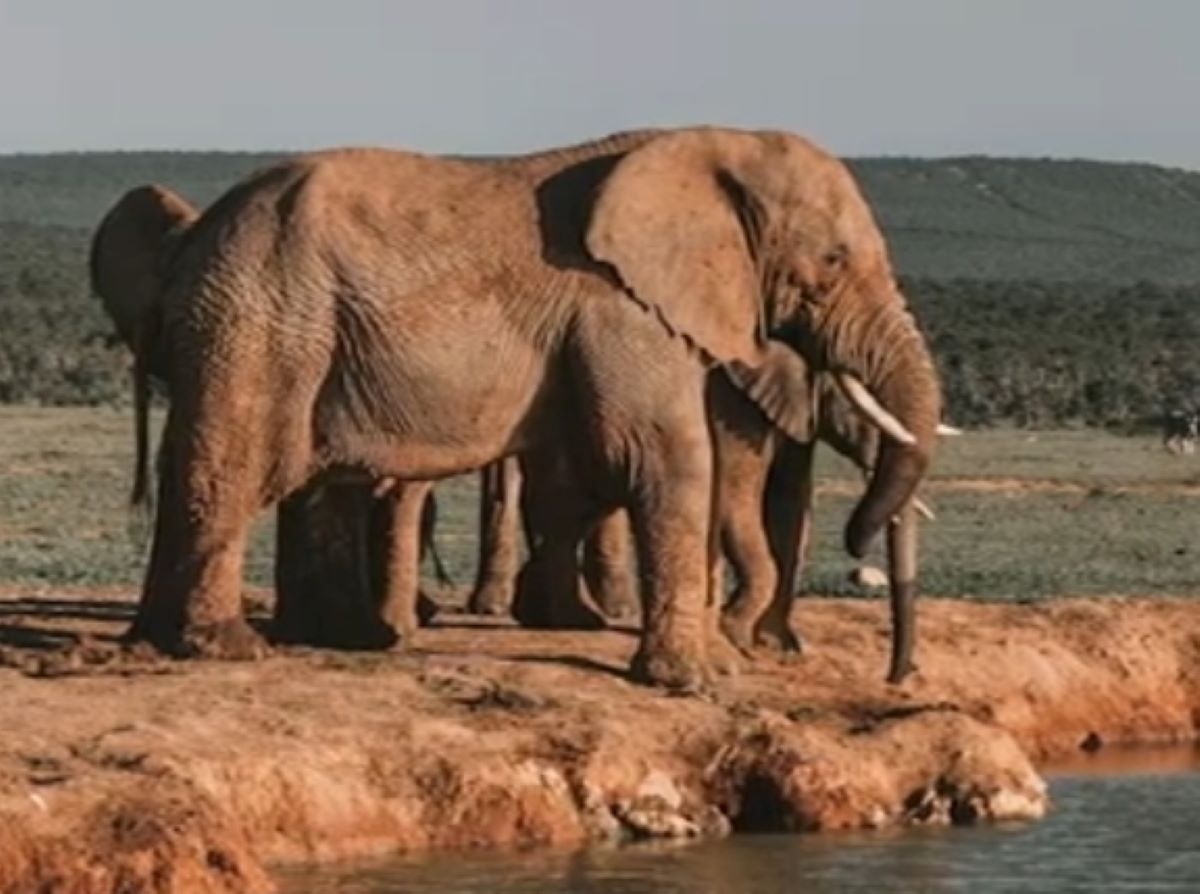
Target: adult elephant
[[384, 313], [342, 551]]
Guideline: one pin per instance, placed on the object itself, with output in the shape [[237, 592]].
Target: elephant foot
[[491, 598], [536, 608], [231, 640], [365, 636], [724, 657], [573, 615], [775, 634], [738, 631], [616, 602], [679, 671]]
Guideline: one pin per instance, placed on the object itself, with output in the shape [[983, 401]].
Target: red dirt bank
[[192, 777]]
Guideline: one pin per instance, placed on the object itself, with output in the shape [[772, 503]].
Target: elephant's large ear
[[128, 253], [782, 386], [668, 219]]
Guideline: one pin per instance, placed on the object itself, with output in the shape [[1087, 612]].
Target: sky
[[1111, 79]]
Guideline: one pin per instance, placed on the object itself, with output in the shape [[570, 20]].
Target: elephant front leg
[[499, 538], [789, 517], [746, 545], [671, 520], [608, 566], [191, 601]]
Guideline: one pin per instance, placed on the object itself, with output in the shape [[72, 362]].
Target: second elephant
[[765, 497]]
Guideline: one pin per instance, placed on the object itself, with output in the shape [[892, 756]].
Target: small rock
[[869, 577], [646, 819], [658, 784]]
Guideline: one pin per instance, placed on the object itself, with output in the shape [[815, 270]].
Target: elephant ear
[[782, 386], [667, 219], [129, 251]]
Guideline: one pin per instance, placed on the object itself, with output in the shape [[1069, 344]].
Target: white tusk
[[383, 486], [856, 392], [923, 509], [948, 431]]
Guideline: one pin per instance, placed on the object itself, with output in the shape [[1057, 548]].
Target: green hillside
[[1038, 219], [1053, 292], [975, 217]]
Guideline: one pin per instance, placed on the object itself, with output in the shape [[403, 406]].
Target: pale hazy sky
[[1097, 78]]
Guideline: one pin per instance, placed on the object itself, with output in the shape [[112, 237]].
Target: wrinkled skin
[[393, 315], [325, 594], [333, 581]]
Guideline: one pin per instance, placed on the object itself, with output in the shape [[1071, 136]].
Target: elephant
[[765, 495], [508, 505], [130, 254], [530, 493], [375, 314]]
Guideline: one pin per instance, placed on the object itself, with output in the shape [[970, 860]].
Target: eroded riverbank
[[196, 777]]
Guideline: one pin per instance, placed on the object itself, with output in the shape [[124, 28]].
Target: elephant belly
[[428, 385]]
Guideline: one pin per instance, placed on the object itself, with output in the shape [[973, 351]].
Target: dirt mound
[[125, 775]]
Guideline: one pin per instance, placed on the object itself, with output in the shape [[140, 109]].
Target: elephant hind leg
[[399, 536], [608, 566], [558, 510], [192, 596]]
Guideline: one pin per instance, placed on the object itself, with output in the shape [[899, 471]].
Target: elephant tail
[[141, 497], [439, 569], [429, 542]]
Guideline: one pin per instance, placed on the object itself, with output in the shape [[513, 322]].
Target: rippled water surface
[[1120, 823]]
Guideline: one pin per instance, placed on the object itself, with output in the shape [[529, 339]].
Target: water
[[1121, 823]]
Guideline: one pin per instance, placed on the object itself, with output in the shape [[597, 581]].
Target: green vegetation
[[1041, 354], [1028, 515], [1054, 513], [1055, 292]]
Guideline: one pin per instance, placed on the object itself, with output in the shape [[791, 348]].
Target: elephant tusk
[[948, 431], [383, 487], [923, 509], [862, 399]]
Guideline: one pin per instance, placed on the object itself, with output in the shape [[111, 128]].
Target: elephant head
[[129, 255], [736, 239]]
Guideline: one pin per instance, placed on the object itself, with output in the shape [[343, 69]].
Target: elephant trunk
[[902, 583], [906, 385]]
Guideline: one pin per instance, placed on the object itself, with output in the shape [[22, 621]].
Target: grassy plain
[[1020, 514]]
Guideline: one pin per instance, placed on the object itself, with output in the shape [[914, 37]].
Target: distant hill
[[977, 217], [1052, 292]]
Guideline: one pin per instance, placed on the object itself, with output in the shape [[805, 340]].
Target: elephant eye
[[837, 256]]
